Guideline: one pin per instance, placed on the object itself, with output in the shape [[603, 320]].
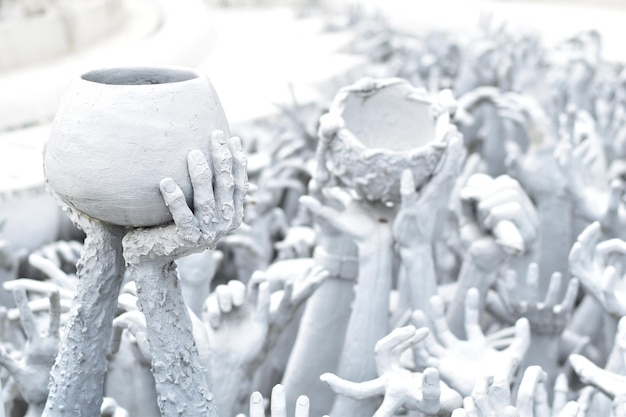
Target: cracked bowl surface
[[388, 126]]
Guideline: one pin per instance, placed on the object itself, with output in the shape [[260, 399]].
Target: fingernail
[[237, 143], [221, 137], [168, 185], [256, 397], [197, 157]]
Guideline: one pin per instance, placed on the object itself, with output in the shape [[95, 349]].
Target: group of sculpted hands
[[496, 335]]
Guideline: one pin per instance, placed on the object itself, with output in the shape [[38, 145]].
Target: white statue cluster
[[448, 246]]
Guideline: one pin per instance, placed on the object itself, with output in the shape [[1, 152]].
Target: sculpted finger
[[302, 406], [526, 392], [224, 298], [240, 176], [263, 303], [55, 313], [570, 297], [472, 315], [554, 287], [358, 391], [257, 408], [51, 270], [521, 341], [37, 287], [27, 318], [11, 364], [591, 374], [571, 409], [201, 177], [222, 167], [278, 403], [431, 390], [531, 293], [238, 291], [324, 212], [185, 221], [442, 331], [213, 311], [408, 194], [387, 408], [561, 391], [418, 318]]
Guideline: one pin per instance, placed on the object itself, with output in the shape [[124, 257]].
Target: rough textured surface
[[77, 377], [180, 381]]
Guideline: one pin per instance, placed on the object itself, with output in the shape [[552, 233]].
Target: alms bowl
[[119, 131]]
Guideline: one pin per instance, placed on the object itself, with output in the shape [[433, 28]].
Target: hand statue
[[461, 362], [400, 387], [278, 404], [521, 298], [589, 261], [32, 371], [490, 399]]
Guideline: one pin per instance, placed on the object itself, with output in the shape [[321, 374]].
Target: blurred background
[[257, 54]]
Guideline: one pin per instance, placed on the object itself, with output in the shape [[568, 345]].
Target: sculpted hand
[[487, 399], [520, 298], [462, 362], [497, 218], [359, 219], [611, 384], [400, 387], [416, 220], [278, 407], [32, 372], [219, 188], [590, 261]]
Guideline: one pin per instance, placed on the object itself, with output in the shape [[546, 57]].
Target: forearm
[[419, 265], [556, 236], [470, 276], [319, 343], [233, 380], [180, 378], [368, 322], [77, 377]]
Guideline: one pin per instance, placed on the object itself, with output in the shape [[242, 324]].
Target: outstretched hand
[[32, 372], [462, 362], [401, 388]]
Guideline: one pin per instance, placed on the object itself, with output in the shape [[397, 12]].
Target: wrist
[[339, 266]]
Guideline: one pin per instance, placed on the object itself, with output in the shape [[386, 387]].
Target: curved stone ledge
[[63, 28]]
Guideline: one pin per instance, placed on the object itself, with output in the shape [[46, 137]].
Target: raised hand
[[590, 261], [462, 362], [400, 387], [416, 220], [278, 404], [521, 297], [611, 384], [32, 371], [357, 218], [489, 399]]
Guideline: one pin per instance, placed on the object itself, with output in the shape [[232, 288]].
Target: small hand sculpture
[[423, 392], [490, 399], [589, 261], [278, 407], [359, 219], [521, 298], [461, 362], [611, 384], [502, 207], [416, 221], [32, 372]]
